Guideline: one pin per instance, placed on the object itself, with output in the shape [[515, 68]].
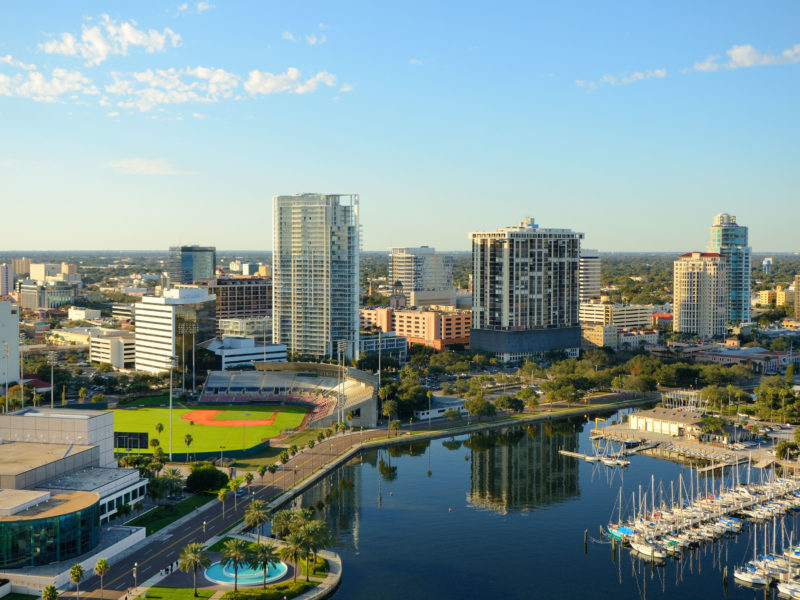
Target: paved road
[[157, 554]]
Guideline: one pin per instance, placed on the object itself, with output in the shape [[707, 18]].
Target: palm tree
[[262, 470], [159, 428], [272, 468], [255, 516], [193, 556], [264, 555], [173, 480], [100, 569], [294, 546], [82, 395], [236, 553], [282, 523], [248, 479], [50, 593], [76, 575], [221, 495], [318, 536], [234, 485], [187, 441], [389, 409]]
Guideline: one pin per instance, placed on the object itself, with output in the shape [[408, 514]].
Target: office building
[[783, 296], [767, 297], [589, 275], [82, 314], [22, 266], [44, 273], [259, 328], [241, 297], [701, 298], [525, 291], [9, 344], [730, 241], [52, 294], [6, 279], [600, 312], [122, 312], [426, 275], [797, 297], [315, 272], [391, 345], [187, 264], [114, 347], [170, 325], [435, 326], [249, 269]]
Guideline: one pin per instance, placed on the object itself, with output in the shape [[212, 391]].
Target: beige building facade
[[700, 294]]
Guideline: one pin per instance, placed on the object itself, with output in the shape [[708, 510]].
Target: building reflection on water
[[520, 468]]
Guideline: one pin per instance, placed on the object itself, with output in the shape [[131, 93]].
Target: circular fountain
[[248, 575]]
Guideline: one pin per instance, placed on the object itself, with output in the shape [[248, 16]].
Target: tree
[[193, 557], [282, 523], [159, 428], [236, 554], [294, 548], [389, 409], [451, 414], [99, 398], [76, 576], [503, 403], [310, 444], [272, 468], [234, 485], [248, 479], [529, 396], [395, 425], [173, 481], [255, 515], [318, 537], [479, 407], [50, 593], [154, 443], [101, 568], [204, 477], [187, 441], [284, 456], [81, 395], [264, 555], [222, 494], [262, 470]]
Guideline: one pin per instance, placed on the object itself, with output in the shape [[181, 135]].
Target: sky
[[141, 125]]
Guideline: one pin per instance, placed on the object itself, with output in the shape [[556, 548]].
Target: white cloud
[[146, 90], [745, 56], [110, 37], [263, 83], [346, 88], [415, 61], [199, 116], [13, 62], [183, 7], [624, 79], [145, 166], [323, 26], [288, 36], [310, 85], [40, 88], [113, 114], [203, 6], [313, 40]]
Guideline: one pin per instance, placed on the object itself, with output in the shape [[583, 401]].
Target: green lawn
[[209, 438], [164, 515], [169, 593]]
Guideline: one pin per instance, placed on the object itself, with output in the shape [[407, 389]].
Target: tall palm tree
[[282, 523], [255, 515], [234, 485], [293, 548], [82, 395], [76, 575], [173, 480], [100, 569], [193, 557], [264, 555], [318, 536], [159, 428], [248, 479], [389, 409], [50, 593], [236, 553], [272, 468], [262, 470], [221, 495], [187, 441]]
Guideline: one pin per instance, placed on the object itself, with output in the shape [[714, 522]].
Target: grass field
[[228, 435]]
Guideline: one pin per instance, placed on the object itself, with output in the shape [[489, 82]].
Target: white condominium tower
[[589, 274], [700, 294], [525, 291], [730, 241], [426, 275], [315, 258], [9, 345]]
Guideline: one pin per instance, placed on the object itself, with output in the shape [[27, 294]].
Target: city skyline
[[631, 129]]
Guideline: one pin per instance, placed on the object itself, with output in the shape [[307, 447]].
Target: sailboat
[[751, 573]]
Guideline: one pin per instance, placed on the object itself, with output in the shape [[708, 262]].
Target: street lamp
[[204, 531], [135, 566]]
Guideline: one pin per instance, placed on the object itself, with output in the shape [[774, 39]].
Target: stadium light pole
[[5, 351], [52, 383], [172, 360]]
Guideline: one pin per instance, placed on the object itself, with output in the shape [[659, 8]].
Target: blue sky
[[141, 125]]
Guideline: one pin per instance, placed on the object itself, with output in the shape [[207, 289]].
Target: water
[[219, 573], [503, 517]]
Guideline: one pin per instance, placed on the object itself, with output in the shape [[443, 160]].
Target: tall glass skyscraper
[[187, 264], [315, 257], [730, 241]]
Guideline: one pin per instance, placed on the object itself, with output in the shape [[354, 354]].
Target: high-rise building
[[170, 326], [187, 264], [797, 297], [6, 279], [525, 291], [9, 344], [426, 275], [589, 274], [315, 267], [21, 266], [700, 294], [730, 241], [241, 297], [766, 265]]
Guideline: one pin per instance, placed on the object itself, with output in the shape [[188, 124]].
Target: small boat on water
[[648, 548], [750, 574]]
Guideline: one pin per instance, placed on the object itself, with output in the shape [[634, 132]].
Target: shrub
[[288, 589], [204, 477]]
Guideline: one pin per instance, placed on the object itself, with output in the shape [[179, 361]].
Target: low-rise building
[[391, 345], [233, 352], [82, 314], [636, 338], [440, 405], [434, 326], [783, 296], [599, 336], [599, 312], [766, 297], [662, 320], [114, 347]]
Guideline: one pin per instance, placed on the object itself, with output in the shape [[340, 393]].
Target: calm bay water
[[516, 529]]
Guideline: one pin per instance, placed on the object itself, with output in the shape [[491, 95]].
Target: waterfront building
[[589, 275], [525, 291], [9, 344], [426, 275], [114, 347], [168, 326], [315, 274], [241, 297], [701, 296], [729, 240], [187, 264], [598, 312], [6, 279]]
